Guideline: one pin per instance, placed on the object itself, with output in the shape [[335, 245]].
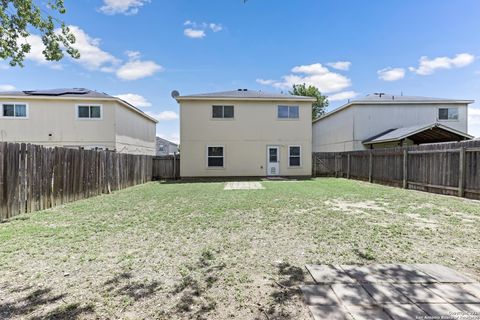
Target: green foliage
[[19, 17], [319, 106]]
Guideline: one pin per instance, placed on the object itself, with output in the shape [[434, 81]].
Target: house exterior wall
[[118, 126], [244, 138], [363, 121], [59, 118], [134, 133], [170, 148]]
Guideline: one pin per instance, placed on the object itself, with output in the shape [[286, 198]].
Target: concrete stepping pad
[[468, 307], [404, 311], [453, 293], [324, 274], [385, 293], [329, 312], [353, 294], [442, 273], [439, 309], [367, 313], [320, 295], [418, 293], [243, 185]]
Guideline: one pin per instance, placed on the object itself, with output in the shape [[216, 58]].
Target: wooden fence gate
[[166, 167]]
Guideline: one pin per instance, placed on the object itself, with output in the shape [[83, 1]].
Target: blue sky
[[142, 50]]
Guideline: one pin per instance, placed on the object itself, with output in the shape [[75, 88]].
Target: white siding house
[[375, 122]]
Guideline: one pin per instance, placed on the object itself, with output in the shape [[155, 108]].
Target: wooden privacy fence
[[447, 168], [34, 178], [166, 167]]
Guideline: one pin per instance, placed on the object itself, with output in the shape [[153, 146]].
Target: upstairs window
[[288, 112], [222, 112], [215, 156], [448, 114], [294, 156], [89, 112], [14, 110]]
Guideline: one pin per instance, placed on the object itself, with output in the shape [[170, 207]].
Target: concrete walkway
[[391, 292], [243, 185]]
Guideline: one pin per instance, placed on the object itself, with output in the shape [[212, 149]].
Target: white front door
[[273, 161]]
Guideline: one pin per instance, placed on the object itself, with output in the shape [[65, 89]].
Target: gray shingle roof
[[405, 132], [62, 92], [245, 94], [399, 98]]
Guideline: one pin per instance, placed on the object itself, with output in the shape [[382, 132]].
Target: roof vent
[[245, 89], [239, 90], [379, 94]]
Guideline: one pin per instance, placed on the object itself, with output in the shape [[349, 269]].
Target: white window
[[448, 114], [294, 156], [288, 112], [14, 110], [222, 112], [89, 112], [215, 156]]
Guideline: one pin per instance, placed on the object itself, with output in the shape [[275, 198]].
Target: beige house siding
[[133, 134], [245, 138], [54, 122]]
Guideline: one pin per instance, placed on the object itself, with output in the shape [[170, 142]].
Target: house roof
[[69, 94], [245, 94], [389, 99], [161, 140], [423, 133]]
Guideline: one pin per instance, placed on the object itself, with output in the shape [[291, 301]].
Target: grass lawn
[[195, 251]]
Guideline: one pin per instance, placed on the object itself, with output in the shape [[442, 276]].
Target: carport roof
[[424, 133]]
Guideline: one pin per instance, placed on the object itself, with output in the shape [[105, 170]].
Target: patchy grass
[[196, 251]]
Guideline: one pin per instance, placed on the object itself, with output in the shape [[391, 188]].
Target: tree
[[319, 106], [19, 17]]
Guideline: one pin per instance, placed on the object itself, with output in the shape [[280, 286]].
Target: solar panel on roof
[[57, 92]]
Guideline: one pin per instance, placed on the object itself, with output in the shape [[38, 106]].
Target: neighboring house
[[245, 133], [165, 147], [383, 120], [75, 118]]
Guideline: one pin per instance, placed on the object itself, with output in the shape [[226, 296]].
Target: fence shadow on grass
[[123, 284]]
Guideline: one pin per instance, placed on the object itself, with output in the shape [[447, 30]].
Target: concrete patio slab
[[390, 291], [353, 294], [243, 185], [439, 309], [319, 295], [418, 293], [385, 293], [329, 312], [442, 273], [453, 293], [328, 274], [404, 311]]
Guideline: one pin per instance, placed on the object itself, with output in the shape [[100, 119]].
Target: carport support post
[[370, 167], [405, 169], [348, 166], [461, 173]]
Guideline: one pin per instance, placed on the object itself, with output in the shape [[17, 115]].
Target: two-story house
[[75, 118], [245, 133], [384, 120], [165, 147]]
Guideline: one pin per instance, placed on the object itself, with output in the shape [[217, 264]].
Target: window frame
[[448, 108], [288, 118], [299, 156], [77, 108], [27, 108], [207, 156], [223, 112]]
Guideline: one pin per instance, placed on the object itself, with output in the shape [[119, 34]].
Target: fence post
[[370, 167], [314, 159], [348, 166], [405, 169], [461, 173]]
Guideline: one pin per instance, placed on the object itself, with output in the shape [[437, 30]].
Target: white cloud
[[391, 74], [340, 65], [316, 75], [164, 115], [135, 99], [474, 121], [7, 87], [199, 30], [194, 33], [36, 52], [92, 56], [428, 66], [265, 81], [344, 95], [126, 7], [137, 69]]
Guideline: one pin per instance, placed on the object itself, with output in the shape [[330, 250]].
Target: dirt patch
[[348, 207]]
